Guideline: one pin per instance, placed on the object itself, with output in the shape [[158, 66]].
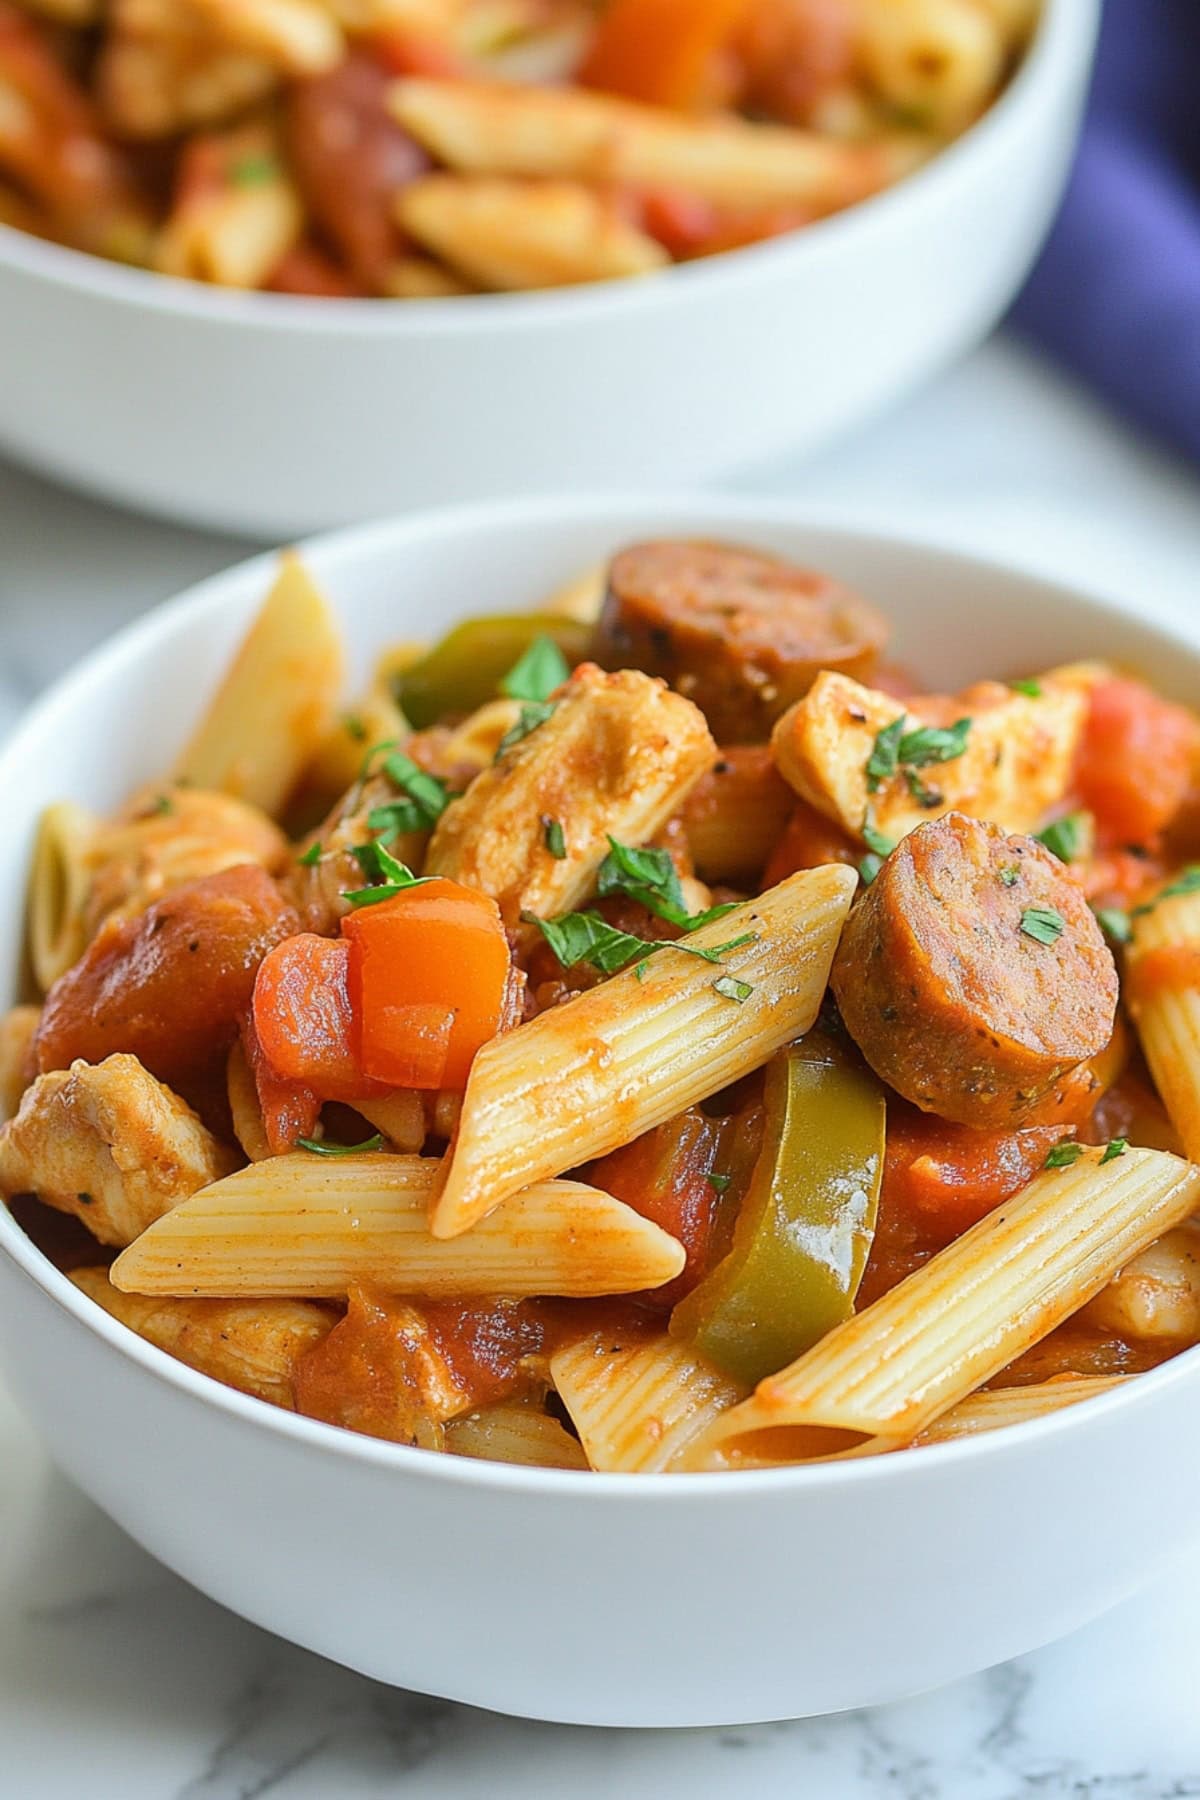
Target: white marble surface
[[119, 1683]]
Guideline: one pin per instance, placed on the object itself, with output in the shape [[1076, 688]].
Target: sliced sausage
[[742, 635], [957, 985], [169, 984]]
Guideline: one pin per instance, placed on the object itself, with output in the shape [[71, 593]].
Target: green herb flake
[[1043, 924], [318, 1147], [354, 727], [252, 171], [719, 1182], [311, 857], [429, 795], [533, 714], [869, 867], [650, 877], [1031, 689], [537, 673], [933, 744], [389, 876], [1114, 923], [1068, 838], [554, 838], [1010, 874], [163, 805], [395, 819], [586, 937], [884, 758], [1186, 883], [1116, 1147], [928, 797], [370, 756], [1063, 1155], [730, 988], [876, 841]]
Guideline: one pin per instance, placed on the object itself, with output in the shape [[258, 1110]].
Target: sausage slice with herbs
[[741, 634], [973, 975]]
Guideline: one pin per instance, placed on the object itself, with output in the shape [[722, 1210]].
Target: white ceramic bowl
[[684, 1600], [273, 415]]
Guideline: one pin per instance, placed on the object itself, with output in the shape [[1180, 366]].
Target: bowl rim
[[1063, 40], [211, 596]]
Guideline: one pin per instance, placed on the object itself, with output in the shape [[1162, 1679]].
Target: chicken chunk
[[1157, 1295], [1012, 764], [617, 756], [109, 1144], [251, 1345], [18, 1028]]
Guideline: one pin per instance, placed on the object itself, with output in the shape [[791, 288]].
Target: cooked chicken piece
[[18, 1028], [252, 1345], [318, 888], [1157, 1295], [616, 756], [168, 835], [110, 1144], [1013, 767]]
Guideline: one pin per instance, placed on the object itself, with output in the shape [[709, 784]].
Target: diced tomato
[[944, 1178], [428, 980], [289, 1109], [664, 52], [303, 1017], [665, 1176], [681, 221], [1135, 762], [809, 841]]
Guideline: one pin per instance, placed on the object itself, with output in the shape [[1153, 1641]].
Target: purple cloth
[[1116, 294]]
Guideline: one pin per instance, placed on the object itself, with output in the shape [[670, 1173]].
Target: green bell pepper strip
[[464, 670], [805, 1226]]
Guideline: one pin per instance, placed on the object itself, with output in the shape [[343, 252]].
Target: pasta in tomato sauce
[[679, 1044]]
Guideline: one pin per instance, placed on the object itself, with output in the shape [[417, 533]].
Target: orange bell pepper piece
[[427, 981], [303, 1020], [660, 51]]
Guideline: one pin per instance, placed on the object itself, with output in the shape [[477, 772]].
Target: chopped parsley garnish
[[876, 840], [366, 767], [650, 877], [1117, 1147], [869, 867], [1032, 690], [163, 804], [1063, 1155], [1010, 874], [1043, 924], [253, 171], [311, 857], [554, 838], [927, 797], [389, 876], [318, 1147], [1114, 923], [719, 1182], [586, 937], [730, 988], [895, 749], [537, 673], [1187, 883], [533, 714], [354, 727], [429, 795], [1068, 837]]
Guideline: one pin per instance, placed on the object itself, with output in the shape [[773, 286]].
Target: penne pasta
[[1014, 767], [254, 1348], [337, 762], [736, 813], [515, 1433], [313, 1226], [994, 1408], [638, 1401], [580, 598], [399, 1116], [884, 1376], [18, 1028], [276, 703], [616, 757], [58, 890], [421, 278], [1162, 993], [568, 134], [108, 1144], [160, 70], [597, 1072], [298, 37], [940, 61], [506, 234]]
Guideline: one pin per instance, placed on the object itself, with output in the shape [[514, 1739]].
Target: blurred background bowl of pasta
[[559, 1594], [911, 207]]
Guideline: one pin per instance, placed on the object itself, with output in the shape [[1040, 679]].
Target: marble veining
[[119, 1682]]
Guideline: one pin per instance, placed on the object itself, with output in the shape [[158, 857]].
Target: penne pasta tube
[[276, 703], [244, 1109], [597, 1072], [580, 598], [373, 719], [233, 232], [736, 813], [298, 37], [1015, 765], [314, 1226], [58, 890], [250, 1346], [421, 278], [884, 1376], [515, 1433], [638, 1401], [400, 1116], [1161, 989], [939, 60], [994, 1408], [515, 235], [567, 134]]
